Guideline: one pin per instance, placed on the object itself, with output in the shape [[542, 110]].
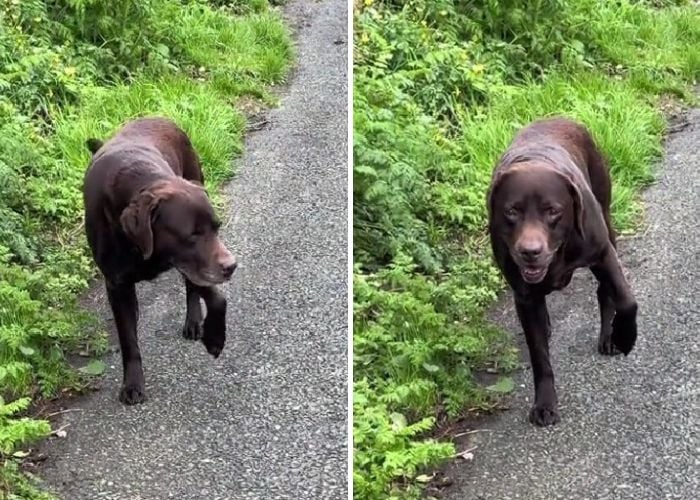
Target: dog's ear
[[498, 176], [577, 197], [136, 221], [94, 145]]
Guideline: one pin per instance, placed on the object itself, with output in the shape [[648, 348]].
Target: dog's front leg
[[534, 318], [125, 307], [609, 274], [214, 336], [193, 318], [606, 306]]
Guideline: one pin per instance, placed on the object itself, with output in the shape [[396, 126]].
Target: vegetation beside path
[[440, 87], [73, 69]]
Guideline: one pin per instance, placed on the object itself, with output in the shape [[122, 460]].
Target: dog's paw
[[214, 344], [624, 332], [192, 330], [544, 415], [131, 394], [214, 347], [606, 347], [214, 336]]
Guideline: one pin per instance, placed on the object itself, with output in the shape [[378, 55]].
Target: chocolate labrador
[[146, 211], [549, 214]]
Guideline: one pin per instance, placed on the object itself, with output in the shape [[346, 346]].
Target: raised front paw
[[544, 415], [214, 336], [214, 344], [192, 330], [132, 393], [624, 332]]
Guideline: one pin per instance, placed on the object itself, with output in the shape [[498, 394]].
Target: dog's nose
[[531, 250], [228, 269]]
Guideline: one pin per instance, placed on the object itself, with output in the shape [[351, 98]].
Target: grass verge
[[72, 70], [440, 88]]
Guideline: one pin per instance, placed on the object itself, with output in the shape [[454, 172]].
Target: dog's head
[[174, 220], [534, 208]]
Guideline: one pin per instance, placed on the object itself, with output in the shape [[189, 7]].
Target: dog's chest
[[562, 280], [131, 268], [149, 270], [561, 273]]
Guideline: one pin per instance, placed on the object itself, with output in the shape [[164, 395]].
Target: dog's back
[[153, 140]]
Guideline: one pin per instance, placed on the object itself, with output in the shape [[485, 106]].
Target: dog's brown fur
[[146, 211], [549, 214]]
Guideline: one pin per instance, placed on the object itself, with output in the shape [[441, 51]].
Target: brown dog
[[146, 211], [549, 214]]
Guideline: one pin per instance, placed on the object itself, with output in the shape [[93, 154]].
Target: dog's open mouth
[[533, 274], [202, 279]]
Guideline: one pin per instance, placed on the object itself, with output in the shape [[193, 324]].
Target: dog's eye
[[553, 212], [511, 213], [192, 238]]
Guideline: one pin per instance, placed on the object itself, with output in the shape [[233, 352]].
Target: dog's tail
[[94, 145]]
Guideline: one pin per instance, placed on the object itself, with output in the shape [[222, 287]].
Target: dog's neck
[[129, 183]]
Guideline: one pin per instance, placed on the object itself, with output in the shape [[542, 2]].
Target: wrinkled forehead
[[532, 181]]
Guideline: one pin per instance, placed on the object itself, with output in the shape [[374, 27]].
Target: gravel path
[[630, 427], [268, 419]]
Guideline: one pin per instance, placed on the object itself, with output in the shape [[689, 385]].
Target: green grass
[[78, 72], [236, 55], [657, 50], [215, 128], [440, 88]]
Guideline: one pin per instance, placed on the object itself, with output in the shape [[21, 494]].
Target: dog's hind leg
[[125, 307], [192, 329]]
